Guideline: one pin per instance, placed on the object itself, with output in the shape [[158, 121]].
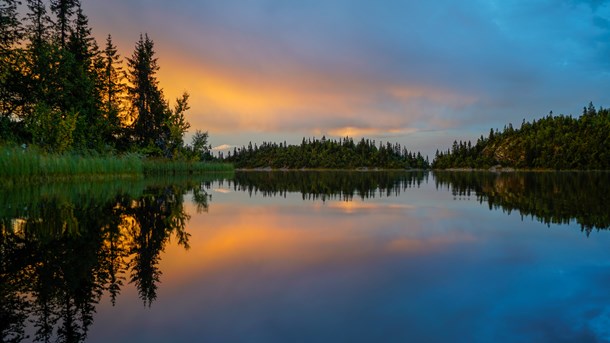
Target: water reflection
[[551, 198], [63, 246], [326, 185]]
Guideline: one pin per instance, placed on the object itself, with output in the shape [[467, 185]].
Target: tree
[[37, 31], [112, 91], [175, 127], [11, 33], [200, 147], [10, 27], [148, 106], [50, 128], [63, 9], [80, 79]]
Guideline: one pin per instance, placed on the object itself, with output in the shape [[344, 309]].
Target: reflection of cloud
[[362, 207], [307, 237], [407, 245], [222, 190]]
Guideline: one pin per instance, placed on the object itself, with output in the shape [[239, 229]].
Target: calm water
[[309, 257]]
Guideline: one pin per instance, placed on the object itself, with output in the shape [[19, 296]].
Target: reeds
[[32, 164], [168, 167]]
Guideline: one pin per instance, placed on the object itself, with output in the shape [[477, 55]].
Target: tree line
[[327, 154], [61, 91], [553, 142]]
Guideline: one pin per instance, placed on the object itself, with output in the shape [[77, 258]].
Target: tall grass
[[16, 162], [19, 163], [168, 167]]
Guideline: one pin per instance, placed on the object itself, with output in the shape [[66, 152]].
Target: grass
[[18, 164], [168, 167]]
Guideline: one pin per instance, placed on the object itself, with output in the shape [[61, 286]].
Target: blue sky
[[416, 72]]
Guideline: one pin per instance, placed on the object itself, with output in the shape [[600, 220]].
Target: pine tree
[[64, 10], [80, 78], [40, 55], [11, 33], [10, 27], [112, 91], [37, 30], [148, 106]]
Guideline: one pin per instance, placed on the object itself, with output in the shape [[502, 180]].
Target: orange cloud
[[227, 98]]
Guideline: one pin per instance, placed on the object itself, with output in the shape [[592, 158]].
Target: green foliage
[[554, 142], [51, 128], [149, 107], [176, 128], [60, 92], [199, 150], [327, 154]]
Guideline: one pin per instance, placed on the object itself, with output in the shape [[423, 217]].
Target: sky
[[420, 73]]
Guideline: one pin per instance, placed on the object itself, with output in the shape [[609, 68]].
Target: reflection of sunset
[[357, 206], [270, 239]]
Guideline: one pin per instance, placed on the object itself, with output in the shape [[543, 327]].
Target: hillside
[[553, 142]]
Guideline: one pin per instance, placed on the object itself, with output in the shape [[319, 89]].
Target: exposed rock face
[[508, 152]]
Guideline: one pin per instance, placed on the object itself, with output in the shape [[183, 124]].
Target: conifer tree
[[112, 92], [11, 33], [63, 10], [10, 27], [80, 79], [148, 106]]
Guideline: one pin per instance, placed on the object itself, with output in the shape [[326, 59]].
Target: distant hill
[[554, 142]]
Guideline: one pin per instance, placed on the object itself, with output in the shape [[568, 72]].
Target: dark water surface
[[309, 257]]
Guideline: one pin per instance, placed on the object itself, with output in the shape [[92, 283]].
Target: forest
[[327, 154], [553, 142], [61, 92]]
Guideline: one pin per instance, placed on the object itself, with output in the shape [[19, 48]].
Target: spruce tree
[[10, 27], [80, 78], [112, 91], [11, 33], [148, 106], [63, 10]]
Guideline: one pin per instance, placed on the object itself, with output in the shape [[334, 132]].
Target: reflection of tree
[[325, 185], [159, 214], [14, 306], [549, 197], [62, 250]]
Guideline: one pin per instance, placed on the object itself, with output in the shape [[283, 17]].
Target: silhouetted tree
[[148, 106]]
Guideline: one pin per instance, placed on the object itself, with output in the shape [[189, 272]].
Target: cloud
[[222, 147], [297, 68]]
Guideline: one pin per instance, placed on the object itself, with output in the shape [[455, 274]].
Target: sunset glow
[[418, 74]]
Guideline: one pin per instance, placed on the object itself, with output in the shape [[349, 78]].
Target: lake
[[309, 257]]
